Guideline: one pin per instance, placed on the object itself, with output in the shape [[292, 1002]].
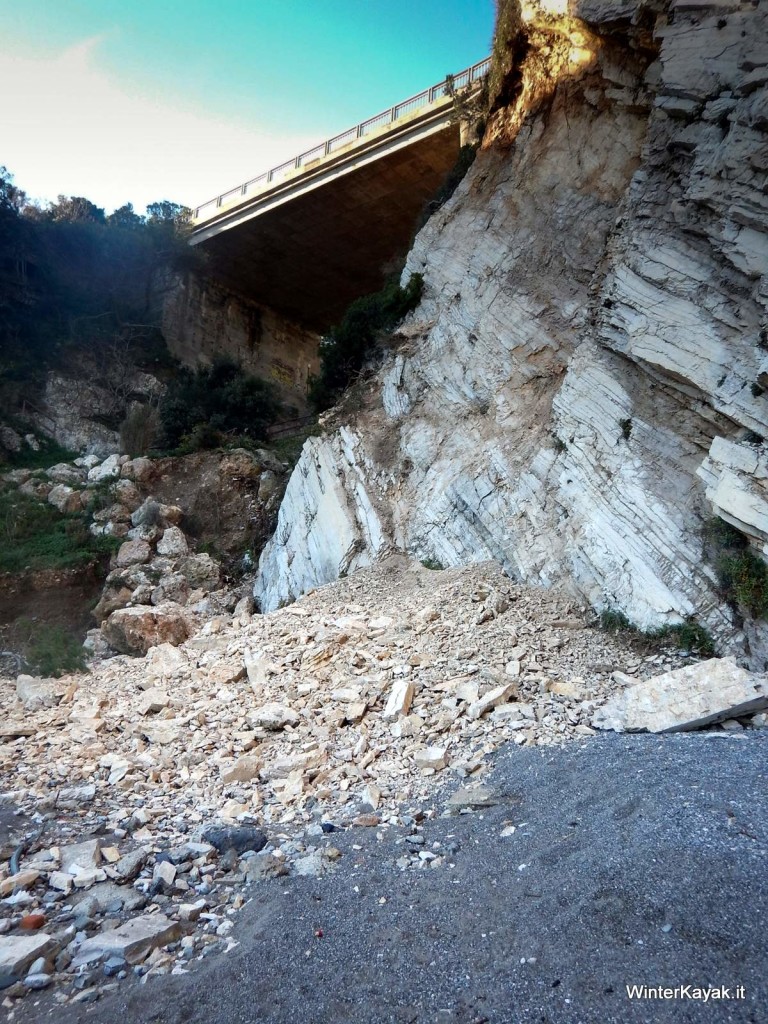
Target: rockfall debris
[[152, 793]]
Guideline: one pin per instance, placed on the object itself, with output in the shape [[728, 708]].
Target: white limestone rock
[[327, 525], [109, 469], [173, 543], [64, 498], [686, 698], [133, 940], [589, 328], [399, 699], [273, 716], [36, 693], [17, 952]]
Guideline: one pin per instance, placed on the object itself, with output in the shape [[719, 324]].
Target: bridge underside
[[309, 257]]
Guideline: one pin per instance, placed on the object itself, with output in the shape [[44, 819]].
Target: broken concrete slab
[[688, 698], [133, 940]]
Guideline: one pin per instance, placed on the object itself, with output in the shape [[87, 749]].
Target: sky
[[142, 100]]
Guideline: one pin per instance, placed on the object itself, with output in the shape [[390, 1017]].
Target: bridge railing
[[263, 181]]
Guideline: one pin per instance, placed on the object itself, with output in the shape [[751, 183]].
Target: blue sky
[[135, 100]]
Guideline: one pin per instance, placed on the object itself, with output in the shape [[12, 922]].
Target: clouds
[[68, 126]]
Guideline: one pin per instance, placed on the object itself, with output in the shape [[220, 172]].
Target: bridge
[[312, 234]]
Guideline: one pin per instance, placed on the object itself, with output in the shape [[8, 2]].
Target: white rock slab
[[17, 952], [399, 700], [80, 856], [132, 940], [687, 698]]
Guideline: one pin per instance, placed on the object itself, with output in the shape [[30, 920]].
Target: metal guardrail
[[263, 181]]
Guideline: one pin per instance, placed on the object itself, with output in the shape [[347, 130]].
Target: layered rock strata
[[579, 389]]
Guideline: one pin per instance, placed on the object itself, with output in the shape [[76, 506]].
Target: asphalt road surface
[[635, 861]]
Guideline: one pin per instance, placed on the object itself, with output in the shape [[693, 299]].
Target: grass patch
[[50, 454], [613, 621], [688, 636], [33, 535]]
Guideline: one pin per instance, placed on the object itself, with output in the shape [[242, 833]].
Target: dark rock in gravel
[[114, 965], [235, 837]]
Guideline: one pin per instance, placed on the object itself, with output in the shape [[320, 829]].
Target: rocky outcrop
[[83, 412], [590, 341]]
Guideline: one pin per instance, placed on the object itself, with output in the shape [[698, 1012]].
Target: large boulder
[[135, 630], [64, 498], [108, 470], [37, 693], [201, 571], [687, 698], [173, 543], [133, 552], [63, 473]]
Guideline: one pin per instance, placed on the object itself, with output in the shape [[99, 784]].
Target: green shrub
[[199, 406], [453, 179], [433, 564], [346, 347], [688, 635], [53, 651], [614, 621], [743, 575], [626, 428]]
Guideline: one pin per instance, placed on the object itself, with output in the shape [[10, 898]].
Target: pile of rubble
[[162, 786], [159, 588]]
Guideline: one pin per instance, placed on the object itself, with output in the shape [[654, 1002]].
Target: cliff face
[[581, 386], [202, 320]]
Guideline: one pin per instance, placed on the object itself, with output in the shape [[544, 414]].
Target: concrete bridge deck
[[309, 236]]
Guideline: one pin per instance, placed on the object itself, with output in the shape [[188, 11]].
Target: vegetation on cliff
[[348, 346], [201, 407]]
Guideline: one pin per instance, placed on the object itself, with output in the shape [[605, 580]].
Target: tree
[[75, 210], [125, 217], [12, 199], [167, 213], [221, 398]]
